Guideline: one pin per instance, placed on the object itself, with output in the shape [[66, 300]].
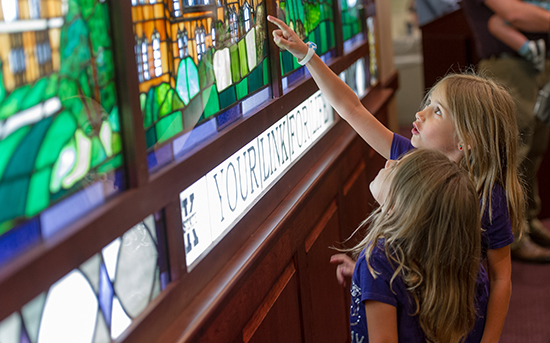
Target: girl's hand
[[345, 267], [287, 39]]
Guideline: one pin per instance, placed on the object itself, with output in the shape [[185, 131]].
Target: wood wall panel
[[329, 313], [278, 319]]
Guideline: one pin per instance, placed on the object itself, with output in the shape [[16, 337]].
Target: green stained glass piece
[[98, 22], [288, 62], [112, 164], [25, 154], [39, 192], [313, 15], [105, 134], [142, 101], [177, 103], [82, 166], [265, 69], [11, 104], [98, 153], [108, 96], [193, 113], [227, 97], [13, 195], [104, 67], [202, 72], [167, 103], [117, 143], [323, 36], [242, 57], [148, 112], [61, 130], [255, 79], [150, 137], [64, 164], [210, 76], [234, 58], [346, 32], [53, 85], [84, 83], [35, 94], [210, 95], [8, 146], [74, 47], [114, 119], [169, 126], [192, 78], [2, 88], [331, 37], [242, 88], [295, 64]]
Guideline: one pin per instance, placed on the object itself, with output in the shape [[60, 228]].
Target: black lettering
[[219, 194], [251, 167], [245, 195], [232, 208]]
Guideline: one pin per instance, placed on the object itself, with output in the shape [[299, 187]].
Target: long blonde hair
[[430, 228], [484, 117]]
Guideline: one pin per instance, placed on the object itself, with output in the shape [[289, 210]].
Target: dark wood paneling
[[278, 318], [329, 313]]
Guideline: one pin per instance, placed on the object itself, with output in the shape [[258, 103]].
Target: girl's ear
[[460, 147]]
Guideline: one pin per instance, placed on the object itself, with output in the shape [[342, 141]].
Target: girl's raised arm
[[340, 96]]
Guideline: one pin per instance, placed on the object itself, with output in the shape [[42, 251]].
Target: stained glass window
[[312, 21], [373, 51], [351, 21], [97, 301], [60, 137], [177, 8], [215, 71]]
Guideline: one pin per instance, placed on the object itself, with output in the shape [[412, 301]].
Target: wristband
[[310, 52]]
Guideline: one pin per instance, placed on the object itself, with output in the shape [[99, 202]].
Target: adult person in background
[[429, 10], [523, 82]]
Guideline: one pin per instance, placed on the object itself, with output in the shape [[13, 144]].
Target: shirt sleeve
[[399, 146], [497, 229], [378, 288]]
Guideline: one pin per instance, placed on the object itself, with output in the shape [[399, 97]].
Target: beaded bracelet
[[310, 51]]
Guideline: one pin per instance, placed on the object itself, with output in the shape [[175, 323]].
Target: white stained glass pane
[[110, 256], [222, 69], [150, 223], [10, 329], [156, 55], [101, 331], [90, 269], [31, 313], [70, 311], [120, 321], [156, 44], [158, 71], [10, 10], [136, 269], [34, 9]]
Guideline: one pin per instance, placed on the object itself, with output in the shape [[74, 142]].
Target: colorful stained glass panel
[[58, 112], [218, 58]]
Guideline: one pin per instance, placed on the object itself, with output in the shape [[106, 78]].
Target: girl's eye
[[438, 111]]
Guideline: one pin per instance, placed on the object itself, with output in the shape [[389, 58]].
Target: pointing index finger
[[281, 24]]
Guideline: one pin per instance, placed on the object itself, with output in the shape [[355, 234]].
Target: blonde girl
[[415, 276], [471, 120]]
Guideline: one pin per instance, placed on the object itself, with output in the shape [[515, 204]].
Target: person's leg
[[523, 83]]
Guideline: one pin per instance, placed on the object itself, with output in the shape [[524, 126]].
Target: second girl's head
[[471, 119], [429, 224]]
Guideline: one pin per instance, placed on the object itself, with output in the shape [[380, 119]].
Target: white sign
[[212, 205]]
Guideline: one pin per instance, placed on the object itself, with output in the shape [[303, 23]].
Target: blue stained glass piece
[[297, 75], [183, 144], [285, 84], [164, 280], [65, 212], [114, 183], [24, 335], [19, 239], [160, 157], [252, 102], [230, 116], [105, 294]]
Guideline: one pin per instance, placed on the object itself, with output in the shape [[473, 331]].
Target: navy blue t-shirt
[[497, 233], [365, 287]]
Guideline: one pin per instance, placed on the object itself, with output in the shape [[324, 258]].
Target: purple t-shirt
[[365, 287]]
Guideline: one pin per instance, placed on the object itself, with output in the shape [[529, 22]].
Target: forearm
[[521, 15], [350, 108], [506, 33], [499, 299]]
